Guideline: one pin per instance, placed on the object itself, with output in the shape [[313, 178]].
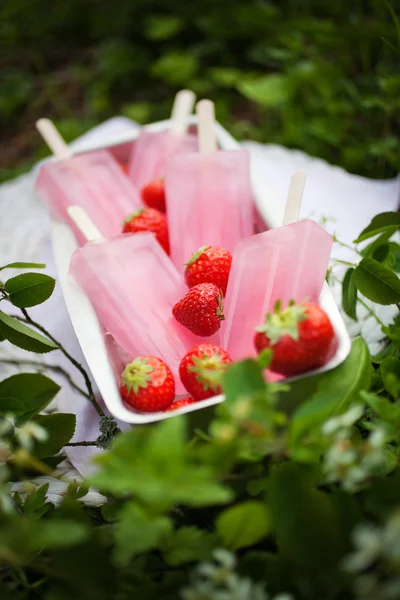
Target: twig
[[371, 312], [94, 443], [77, 365], [353, 248], [54, 368]]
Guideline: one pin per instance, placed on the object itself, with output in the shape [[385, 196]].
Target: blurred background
[[310, 74]]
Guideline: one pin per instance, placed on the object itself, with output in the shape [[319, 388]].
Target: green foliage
[[59, 430], [377, 282], [22, 336], [279, 71], [26, 394], [243, 525], [170, 476], [349, 294], [29, 289]]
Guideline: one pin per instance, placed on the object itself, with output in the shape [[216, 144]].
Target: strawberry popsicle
[[92, 180], [208, 194], [152, 149], [287, 263], [133, 286]]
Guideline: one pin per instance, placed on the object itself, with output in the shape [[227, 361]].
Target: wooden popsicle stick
[[84, 223], [205, 126], [53, 138], [295, 196], [181, 110]]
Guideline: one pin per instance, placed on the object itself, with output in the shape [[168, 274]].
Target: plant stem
[[353, 248], [77, 365], [55, 368], [343, 262], [94, 443], [371, 312]]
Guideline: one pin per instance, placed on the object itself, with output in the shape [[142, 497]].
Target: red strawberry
[[210, 264], [300, 337], [180, 403], [153, 194], [147, 384], [148, 219], [201, 369], [201, 309]]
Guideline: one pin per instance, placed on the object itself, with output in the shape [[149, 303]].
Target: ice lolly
[[93, 181], [133, 286], [286, 263], [153, 148], [208, 194]]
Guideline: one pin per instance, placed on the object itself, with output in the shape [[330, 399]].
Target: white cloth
[[24, 236]]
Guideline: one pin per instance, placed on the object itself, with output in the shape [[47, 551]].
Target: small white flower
[[28, 433]]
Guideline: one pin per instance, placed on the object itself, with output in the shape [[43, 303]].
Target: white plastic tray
[[86, 324]]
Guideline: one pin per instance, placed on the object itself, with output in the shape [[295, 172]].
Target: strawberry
[[148, 219], [181, 403], [201, 368], [153, 194], [210, 264], [300, 337], [201, 309], [147, 384]]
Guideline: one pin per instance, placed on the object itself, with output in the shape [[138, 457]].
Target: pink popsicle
[[208, 194], [152, 149], [286, 263], [133, 286], [93, 181]]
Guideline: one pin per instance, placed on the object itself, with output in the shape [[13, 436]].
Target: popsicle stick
[[181, 110], [84, 223], [295, 195], [53, 138], [205, 126]]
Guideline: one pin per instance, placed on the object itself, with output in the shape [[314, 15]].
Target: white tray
[[86, 324]]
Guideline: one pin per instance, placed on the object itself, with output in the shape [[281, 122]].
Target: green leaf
[[390, 372], [242, 379], [225, 76], [26, 394], [23, 265], [383, 408], [163, 27], [336, 390], [138, 531], [19, 538], [29, 289], [349, 295], [155, 465], [307, 530], [188, 544], [175, 67], [377, 282], [243, 525], [60, 428], [35, 505], [381, 253], [268, 90], [380, 223], [57, 533], [24, 337], [382, 239]]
